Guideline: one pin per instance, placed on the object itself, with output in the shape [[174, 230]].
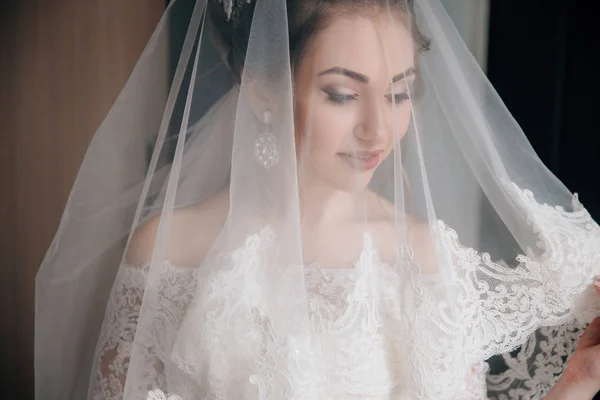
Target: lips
[[362, 160]]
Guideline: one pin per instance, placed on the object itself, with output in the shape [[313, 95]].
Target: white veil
[[331, 202]]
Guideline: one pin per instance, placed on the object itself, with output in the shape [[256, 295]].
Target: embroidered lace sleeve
[[130, 355], [117, 337]]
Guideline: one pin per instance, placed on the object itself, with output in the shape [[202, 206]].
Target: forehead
[[378, 46]]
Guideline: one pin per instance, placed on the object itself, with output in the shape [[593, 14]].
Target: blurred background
[[63, 63]]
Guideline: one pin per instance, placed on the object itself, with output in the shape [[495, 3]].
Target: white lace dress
[[228, 349], [355, 343]]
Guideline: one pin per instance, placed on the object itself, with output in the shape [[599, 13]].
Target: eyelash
[[399, 97], [345, 99], [341, 99]]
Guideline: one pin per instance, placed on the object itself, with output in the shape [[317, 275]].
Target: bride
[[336, 205]]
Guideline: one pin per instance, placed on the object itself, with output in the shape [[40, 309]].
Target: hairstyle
[[306, 18]]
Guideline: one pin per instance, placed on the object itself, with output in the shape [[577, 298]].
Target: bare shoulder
[[192, 232]]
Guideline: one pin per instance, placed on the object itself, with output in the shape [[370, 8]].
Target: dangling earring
[[266, 148]]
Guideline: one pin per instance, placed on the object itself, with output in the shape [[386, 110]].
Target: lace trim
[[497, 309], [531, 372], [350, 350], [503, 306]]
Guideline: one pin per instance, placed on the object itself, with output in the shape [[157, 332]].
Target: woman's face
[[351, 95]]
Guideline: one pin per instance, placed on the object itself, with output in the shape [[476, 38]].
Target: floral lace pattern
[[375, 331], [531, 372], [126, 346], [348, 352], [497, 308]]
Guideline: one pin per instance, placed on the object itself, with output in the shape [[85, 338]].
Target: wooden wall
[[62, 64]]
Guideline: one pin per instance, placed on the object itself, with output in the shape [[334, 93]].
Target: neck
[[321, 203]]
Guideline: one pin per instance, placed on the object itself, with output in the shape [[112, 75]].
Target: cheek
[[323, 129], [330, 128]]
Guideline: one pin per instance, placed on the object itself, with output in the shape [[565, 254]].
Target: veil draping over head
[[326, 199]]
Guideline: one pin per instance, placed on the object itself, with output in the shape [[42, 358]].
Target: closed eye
[[398, 97], [340, 98]]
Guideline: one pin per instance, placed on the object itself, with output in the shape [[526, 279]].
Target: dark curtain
[[541, 61]]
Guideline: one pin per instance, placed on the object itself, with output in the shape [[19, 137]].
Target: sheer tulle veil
[[324, 199]]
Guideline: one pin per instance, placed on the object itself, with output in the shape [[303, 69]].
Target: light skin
[[346, 103], [350, 110]]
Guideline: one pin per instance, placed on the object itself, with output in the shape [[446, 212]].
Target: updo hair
[[231, 29]]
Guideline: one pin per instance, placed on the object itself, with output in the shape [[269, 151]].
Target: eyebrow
[[363, 78]]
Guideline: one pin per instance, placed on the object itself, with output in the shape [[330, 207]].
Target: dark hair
[[305, 19]]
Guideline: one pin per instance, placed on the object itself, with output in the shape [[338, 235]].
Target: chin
[[352, 183]]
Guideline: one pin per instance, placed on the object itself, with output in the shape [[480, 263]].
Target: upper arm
[[188, 237], [141, 246]]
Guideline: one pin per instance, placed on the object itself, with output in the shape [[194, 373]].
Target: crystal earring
[[266, 148]]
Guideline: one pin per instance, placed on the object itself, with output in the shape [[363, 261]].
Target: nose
[[372, 126]]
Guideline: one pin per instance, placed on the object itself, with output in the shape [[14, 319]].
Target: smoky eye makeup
[[339, 96], [342, 95], [398, 97], [401, 91]]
